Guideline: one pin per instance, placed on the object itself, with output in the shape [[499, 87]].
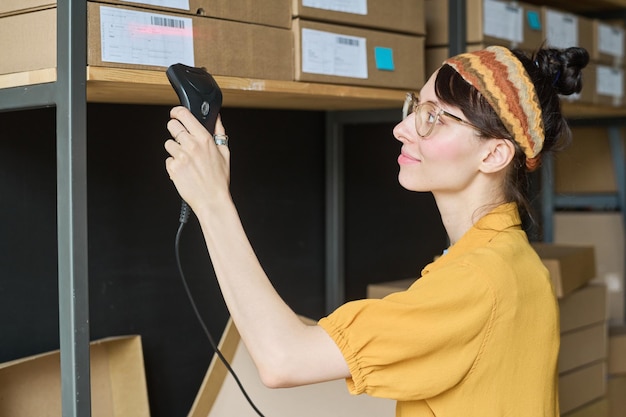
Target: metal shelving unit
[[72, 86]]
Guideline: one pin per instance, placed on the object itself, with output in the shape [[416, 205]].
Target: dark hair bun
[[563, 67]]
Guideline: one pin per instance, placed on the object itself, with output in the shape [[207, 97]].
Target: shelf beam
[[584, 6], [71, 101], [28, 97], [117, 85]]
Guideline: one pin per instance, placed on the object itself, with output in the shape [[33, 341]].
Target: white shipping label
[[611, 40], [562, 29], [346, 6], [133, 37], [174, 4], [503, 20], [610, 81], [333, 54]]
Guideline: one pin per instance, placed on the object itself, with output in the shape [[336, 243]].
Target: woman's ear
[[499, 153]]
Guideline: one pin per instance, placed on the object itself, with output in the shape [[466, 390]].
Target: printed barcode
[[170, 23], [347, 41]]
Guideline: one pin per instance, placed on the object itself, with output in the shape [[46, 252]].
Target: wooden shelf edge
[[115, 85], [588, 111], [150, 87], [22, 79]]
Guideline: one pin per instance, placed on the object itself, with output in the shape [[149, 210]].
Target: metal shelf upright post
[[69, 95]]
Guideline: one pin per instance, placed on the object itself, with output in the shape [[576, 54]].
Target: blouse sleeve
[[417, 343]]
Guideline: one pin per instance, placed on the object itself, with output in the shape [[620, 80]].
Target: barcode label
[[135, 37], [333, 54], [347, 41], [167, 22]]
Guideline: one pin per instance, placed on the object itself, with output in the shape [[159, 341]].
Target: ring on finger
[[220, 139], [177, 135]]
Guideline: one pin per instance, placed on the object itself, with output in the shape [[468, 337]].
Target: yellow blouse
[[476, 335]]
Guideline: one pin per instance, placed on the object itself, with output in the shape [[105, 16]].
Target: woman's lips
[[405, 159]]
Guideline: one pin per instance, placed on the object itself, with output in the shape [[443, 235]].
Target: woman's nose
[[405, 130]]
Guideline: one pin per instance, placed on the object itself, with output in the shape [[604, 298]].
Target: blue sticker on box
[[384, 58], [533, 20]]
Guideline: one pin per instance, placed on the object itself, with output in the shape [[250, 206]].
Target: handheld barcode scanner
[[197, 91]]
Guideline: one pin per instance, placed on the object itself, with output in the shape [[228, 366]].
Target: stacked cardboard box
[[488, 22], [605, 232], [583, 354], [604, 77], [360, 43], [617, 371], [613, 404], [32, 386], [526, 26], [274, 13], [229, 38]]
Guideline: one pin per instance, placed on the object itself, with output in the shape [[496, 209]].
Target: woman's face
[[447, 159]]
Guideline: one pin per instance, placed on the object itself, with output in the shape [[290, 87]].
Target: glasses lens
[[409, 105], [426, 115]]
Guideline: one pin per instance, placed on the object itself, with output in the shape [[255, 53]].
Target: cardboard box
[[602, 85], [219, 395], [32, 386], [407, 16], [492, 22], [586, 166], [583, 346], [586, 306], [136, 39], [9, 7], [347, 55], [603, 41], [563, 29], [608, 44], [617, 350], [617, 399], [273, 13], [582, 386], [605, 232], [17, 36], [598, 408], [609, 84], [570, 266]]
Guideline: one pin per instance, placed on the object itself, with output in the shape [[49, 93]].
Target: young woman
[[478, 333]]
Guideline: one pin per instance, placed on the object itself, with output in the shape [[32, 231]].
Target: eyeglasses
[[427, 115]]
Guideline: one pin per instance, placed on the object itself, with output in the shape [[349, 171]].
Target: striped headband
[[501, 78]]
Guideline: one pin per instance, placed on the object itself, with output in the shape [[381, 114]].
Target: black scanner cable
[[185, 211]]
